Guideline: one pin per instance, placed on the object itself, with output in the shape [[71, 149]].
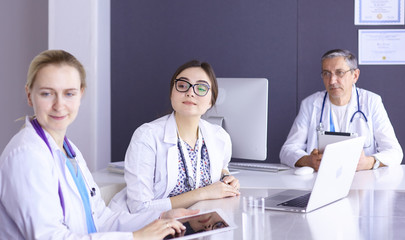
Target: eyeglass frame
[[191, 86], [330, 74]]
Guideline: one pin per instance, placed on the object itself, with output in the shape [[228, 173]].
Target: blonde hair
[[54, 57]]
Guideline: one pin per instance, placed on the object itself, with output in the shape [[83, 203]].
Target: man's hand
[[365, 163], [313, 160]]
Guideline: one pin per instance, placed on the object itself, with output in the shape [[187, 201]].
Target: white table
[[374, 209], [109, 183]]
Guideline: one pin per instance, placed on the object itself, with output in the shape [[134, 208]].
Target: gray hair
[[350, 59]]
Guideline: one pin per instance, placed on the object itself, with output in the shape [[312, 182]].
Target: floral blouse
[[181, 186]]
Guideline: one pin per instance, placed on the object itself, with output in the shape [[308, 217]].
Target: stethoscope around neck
[[191, 183], [320, 126]]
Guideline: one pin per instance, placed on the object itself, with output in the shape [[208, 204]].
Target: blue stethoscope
[[320, 127], [71, 154]]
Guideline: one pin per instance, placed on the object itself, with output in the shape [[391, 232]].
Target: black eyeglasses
[[338, 73], [200, 89]]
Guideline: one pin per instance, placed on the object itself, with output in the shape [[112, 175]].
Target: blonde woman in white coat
[[163, 155], [46, 189]]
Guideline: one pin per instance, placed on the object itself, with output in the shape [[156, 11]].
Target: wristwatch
[[376, 164]]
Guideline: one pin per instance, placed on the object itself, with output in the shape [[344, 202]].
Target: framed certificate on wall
[[379, 12], [382, 47]]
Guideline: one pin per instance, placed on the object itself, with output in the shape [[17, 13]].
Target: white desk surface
[[374, 209]]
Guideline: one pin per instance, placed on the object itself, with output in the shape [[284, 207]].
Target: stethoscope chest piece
[[185, 158], [190, 182]]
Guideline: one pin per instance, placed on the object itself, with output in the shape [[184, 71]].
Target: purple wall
[[279, 40]]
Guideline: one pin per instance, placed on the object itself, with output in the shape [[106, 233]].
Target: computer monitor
[[241, 109]]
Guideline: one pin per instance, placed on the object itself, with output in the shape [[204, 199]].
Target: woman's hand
[[219, 190], [178, 212], [231, 180], [159, 229], [228, 187]]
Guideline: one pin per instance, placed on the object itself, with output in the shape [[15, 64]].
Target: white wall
[[83, 29], [80, 27], [23, 34]]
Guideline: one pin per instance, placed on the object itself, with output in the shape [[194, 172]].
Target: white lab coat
[[381, 141], [151, 163], [30, 206]]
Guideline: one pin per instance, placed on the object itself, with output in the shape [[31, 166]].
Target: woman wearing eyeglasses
[[179, 159]]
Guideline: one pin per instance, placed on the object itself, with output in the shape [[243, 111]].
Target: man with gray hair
[[342, 107]]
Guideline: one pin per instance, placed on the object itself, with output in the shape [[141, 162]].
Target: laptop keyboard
[[266, 167], [301, 201]]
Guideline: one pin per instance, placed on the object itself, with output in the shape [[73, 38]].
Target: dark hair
[[349, 57], [207, 69]]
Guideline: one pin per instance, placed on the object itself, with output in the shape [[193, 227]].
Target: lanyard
[[187, 161], [41, 134], [332, 126], [71, 153], [80, 182]]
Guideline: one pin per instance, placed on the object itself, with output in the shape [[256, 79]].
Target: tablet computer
[[325, 138], [203, 224]]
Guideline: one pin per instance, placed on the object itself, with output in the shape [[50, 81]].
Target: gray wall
[[279, 40], [23, 34]]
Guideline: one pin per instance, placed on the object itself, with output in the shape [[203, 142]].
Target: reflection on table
[[374, 209], [364, 214]]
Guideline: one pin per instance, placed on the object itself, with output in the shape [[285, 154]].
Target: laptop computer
[[333, 181]]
